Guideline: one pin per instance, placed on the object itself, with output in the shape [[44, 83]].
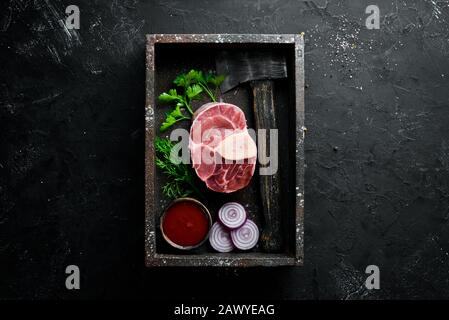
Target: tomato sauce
[[185, 223]]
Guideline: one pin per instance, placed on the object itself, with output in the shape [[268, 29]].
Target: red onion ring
[[245, 237], [220, 238], [232, 215]]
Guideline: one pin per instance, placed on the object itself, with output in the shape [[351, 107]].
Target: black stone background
[[72, 149]]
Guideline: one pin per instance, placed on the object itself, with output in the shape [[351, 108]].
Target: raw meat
[[222, 151]]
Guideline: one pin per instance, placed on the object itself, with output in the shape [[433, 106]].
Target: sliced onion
[[245, 237], [232, 215], [220, 239]]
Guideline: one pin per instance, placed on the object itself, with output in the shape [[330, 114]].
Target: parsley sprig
[[193, 84]]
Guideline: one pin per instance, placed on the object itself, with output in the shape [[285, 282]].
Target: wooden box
[[169, 54]]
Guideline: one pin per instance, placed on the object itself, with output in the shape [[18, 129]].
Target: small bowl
[[206, 213]]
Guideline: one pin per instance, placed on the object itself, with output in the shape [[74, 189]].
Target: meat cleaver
[[259, 69]]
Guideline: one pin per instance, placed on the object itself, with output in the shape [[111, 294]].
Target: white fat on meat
[[238, 146]]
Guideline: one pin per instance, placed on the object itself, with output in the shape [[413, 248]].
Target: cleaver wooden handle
[[265, 118]]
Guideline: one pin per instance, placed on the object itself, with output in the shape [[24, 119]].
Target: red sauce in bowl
[[185, 223]]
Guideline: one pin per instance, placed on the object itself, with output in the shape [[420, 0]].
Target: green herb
[[181, 180], [207, 82], [174, 116], [211, 80], [177, 113], [193, 83]]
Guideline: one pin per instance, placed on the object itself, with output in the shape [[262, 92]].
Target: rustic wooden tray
[[168, 55]]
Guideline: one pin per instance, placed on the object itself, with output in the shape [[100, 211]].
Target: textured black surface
[[377, 150]]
